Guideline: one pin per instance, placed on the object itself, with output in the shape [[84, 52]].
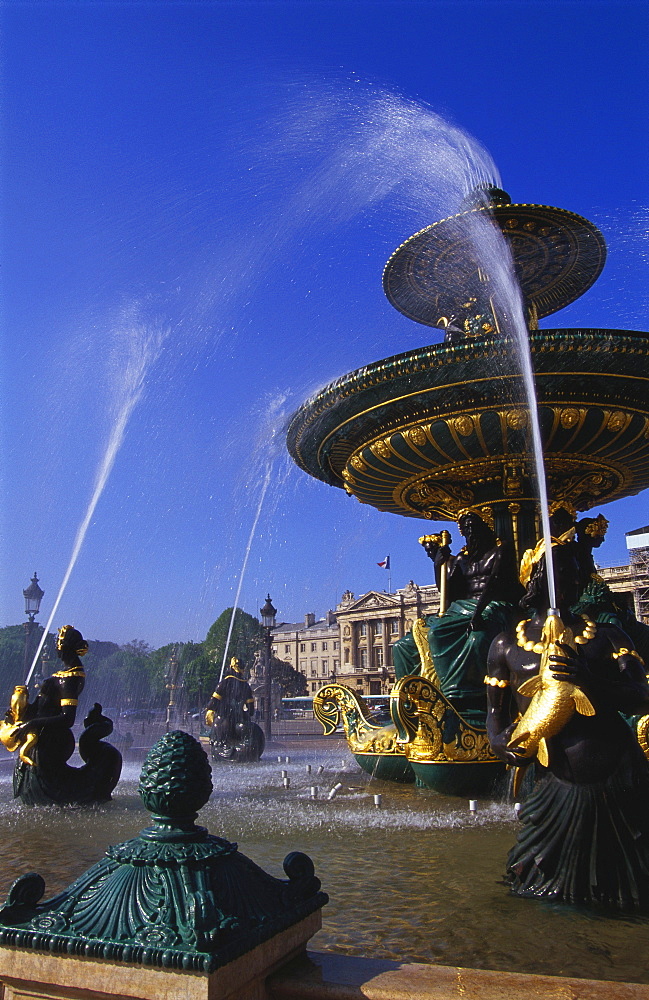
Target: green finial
[[176, 780]]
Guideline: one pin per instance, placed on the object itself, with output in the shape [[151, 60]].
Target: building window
[[303, 666], [378, 628], [314, 687], [314, 646], [390, 659], [336, 665], [303, 647], [314, 668], [287, 648], [274, 650], [346, 654], [378, 656], [324, 647], [324, 669], [336, 644], [394, 626], [362, 628], [363, 653]]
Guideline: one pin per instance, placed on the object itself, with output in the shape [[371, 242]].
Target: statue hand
[[499, 745], [23, 731], [569, 666]]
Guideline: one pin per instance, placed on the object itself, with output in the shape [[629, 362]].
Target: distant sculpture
[[478, 589], [585, 832], [234, 736], [41, 732]]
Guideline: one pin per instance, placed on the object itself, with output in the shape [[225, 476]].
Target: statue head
[[70, 645], [566, 577], [235, 665], [592, 530], [479, 535]]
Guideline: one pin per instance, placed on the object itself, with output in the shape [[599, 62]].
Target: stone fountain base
[[268, 974], [27, 974], [321, 976]]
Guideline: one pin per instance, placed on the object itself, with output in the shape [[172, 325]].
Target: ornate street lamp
[[171, 678], [33, 596], [267, 613]]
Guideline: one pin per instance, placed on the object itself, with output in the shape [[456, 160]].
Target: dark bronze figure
[[479, 590], [41, 732], [234, 736], [585, 826]]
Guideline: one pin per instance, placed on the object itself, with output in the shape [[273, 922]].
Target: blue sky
[[197, 203]]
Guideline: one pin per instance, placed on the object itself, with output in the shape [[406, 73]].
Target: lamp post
[[33, 596], [171, 678], [267, 613]]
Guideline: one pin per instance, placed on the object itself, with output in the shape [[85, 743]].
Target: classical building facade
[[311, 646], [353, 644]]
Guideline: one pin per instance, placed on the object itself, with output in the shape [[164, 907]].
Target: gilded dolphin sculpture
[[13, 720], [553, 703]]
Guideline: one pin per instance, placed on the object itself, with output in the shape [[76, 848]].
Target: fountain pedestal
[[173, 913]]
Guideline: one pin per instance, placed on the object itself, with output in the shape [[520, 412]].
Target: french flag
[[385, 564]]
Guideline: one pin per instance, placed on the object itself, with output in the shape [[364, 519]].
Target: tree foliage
[[292, 682], [247, 637], [12, 656]]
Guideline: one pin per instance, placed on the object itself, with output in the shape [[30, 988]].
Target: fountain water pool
[[418, 879]]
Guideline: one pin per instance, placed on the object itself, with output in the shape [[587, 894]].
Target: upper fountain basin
[[431, 431]]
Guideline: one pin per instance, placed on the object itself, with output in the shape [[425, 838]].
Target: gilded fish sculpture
[[553, 702]]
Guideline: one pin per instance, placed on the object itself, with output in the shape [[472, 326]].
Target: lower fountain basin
[[418, 879]]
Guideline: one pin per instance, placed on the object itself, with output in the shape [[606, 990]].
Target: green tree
[[12, 656], [292, 682], [123, 679], [195, 673], [247, 637]]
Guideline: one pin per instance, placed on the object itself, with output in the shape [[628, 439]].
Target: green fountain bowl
[[432, 431]]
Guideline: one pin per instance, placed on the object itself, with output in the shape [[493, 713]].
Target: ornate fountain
[[444, 429]]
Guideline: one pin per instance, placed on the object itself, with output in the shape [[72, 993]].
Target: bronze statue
[[479, 590], [585, 826], [41, 731], [234, 735]]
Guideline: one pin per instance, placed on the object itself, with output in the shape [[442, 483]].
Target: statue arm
[[440, 556], [211, 710], [500, 703], [69, 689], [634, 689], [62, 720]]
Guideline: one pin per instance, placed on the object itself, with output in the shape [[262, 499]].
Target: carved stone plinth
[[44, 977]]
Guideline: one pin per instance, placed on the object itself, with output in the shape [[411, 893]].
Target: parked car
[[139, 715]]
